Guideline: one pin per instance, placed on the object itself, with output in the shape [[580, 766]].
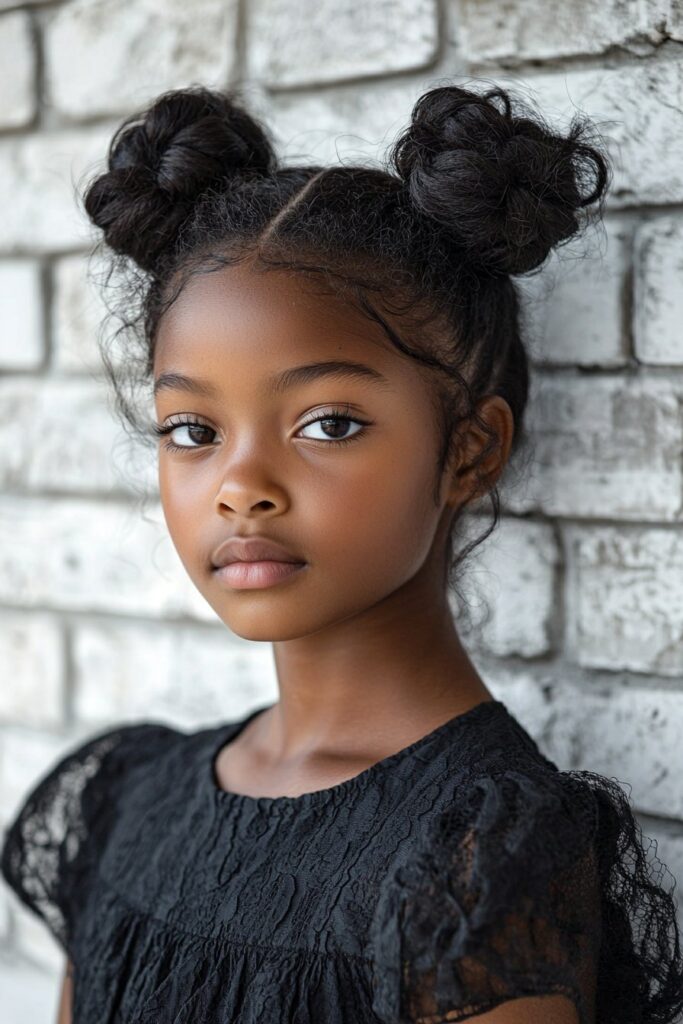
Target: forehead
[[238, 314]]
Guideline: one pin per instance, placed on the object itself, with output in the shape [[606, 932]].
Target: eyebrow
[[276, 384]]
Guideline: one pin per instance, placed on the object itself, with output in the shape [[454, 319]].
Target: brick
[[574, 305], [58, 434], [333, 40], [515, 570], [634, 734], [658, 292], [17, 71], [80, 315], [103, 58], [519, 30], [602, 446], [625, 598], [32, 656], [632, 108], [21, 300], [128, 672], [93, 556], [40, 175]]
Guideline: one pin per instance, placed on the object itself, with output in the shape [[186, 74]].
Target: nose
[[249, 498], [244, 504]]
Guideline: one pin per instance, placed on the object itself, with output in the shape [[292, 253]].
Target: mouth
[[256, 575]]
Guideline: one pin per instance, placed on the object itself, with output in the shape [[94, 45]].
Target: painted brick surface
[[604, 446], [634, 735], [332, 40], [90, 556], [26, 756], [78, 312], [190, 677], [508, 30], [42, 450], [104, 58], [17, 70], [32, 656], [626, 586], [22, 344], [29, 992], [38, 172], [575, 306], [515, 577], [632, 107], [658, 298]]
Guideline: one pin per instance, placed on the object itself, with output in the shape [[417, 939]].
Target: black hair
[[476, 189]]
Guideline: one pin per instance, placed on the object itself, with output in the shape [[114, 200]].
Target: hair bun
[[505, 187], [161, 160]]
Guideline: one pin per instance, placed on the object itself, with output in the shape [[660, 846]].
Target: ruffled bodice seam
[[224, 940]]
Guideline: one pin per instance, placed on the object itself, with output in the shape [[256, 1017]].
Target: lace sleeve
[[55, 838], [535, 882]]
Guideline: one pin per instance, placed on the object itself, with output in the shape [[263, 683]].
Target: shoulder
[[91, 762], [510, 893], [54, 837]]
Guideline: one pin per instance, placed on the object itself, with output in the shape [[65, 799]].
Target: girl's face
[[352, 496]]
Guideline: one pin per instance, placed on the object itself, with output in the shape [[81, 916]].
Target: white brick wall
[[577, 600]]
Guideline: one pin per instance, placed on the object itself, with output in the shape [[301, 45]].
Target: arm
[[64, 1009], [550, 1009]]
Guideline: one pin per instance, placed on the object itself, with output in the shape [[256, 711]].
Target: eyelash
[[332, 414]]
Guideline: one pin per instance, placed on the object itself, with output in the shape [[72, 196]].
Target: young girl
[[337, 376]]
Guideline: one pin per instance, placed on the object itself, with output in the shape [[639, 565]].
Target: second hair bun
[[505, 188]]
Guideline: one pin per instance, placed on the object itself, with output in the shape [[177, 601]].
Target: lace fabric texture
[[464, 871]]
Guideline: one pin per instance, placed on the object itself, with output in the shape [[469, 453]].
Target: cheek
[[179, 502], [382, 513]]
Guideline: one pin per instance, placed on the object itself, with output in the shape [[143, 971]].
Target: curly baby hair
[[476, 189]]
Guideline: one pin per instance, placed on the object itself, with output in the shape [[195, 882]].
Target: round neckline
[[331, 794]]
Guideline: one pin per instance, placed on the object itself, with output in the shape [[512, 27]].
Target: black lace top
[[460, 872]]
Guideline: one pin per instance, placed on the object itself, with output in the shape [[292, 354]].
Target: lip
[[252, 549], [256, 575]]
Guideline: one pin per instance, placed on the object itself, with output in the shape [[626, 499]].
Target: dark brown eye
[[334, 423], [196, 431]]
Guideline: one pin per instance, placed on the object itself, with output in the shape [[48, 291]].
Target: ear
[[477, 470]]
